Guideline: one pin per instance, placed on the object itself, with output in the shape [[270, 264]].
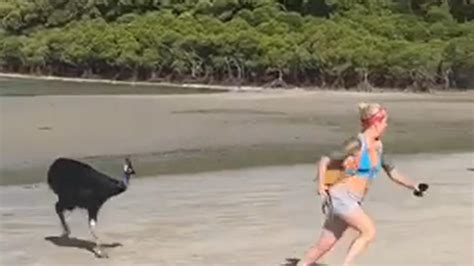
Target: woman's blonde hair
[[366, 110]]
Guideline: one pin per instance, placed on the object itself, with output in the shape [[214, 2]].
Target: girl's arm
[[402, 180], [395, 176]]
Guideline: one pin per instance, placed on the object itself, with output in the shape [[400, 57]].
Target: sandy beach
[[229, 176], [257, 216]]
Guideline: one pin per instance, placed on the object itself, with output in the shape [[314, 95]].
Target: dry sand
[[257, 216]]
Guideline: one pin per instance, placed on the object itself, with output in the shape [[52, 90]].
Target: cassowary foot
[[100, 253], [66, 234]]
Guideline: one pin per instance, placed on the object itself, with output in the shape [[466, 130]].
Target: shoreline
[[222, 88], [132, 83]]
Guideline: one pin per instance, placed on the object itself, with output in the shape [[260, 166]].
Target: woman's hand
[[323, 191]]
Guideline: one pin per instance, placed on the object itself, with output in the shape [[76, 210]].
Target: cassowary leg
[[60, 212], [92, 223]]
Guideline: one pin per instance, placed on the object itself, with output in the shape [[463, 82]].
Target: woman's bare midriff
[[356, 185]]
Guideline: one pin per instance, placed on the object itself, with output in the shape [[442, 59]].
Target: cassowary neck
[[126, 179]]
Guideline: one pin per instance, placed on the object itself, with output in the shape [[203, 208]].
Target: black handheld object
[[421, 188]]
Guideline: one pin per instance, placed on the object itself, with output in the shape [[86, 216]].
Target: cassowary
[[78, 185]]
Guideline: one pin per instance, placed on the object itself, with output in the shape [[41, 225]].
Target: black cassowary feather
[[79, 185]]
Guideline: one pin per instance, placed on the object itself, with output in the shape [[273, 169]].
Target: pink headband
[[377, 117]]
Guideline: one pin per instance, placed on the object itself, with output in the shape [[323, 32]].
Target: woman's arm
[[395, 176], [402, 180], [339, 157]]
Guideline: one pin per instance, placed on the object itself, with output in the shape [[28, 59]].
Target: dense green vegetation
[[415, 44]]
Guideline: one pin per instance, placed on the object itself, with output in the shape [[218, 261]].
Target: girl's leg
[[360, 221], [333, 229]]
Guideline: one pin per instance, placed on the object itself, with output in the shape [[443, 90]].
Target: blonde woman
[[362, 160]]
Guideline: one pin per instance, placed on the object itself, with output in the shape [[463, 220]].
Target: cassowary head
[[128, 170]]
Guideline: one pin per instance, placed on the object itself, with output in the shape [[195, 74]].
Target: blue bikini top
[[365, 168]]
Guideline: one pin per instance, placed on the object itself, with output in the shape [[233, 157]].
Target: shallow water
[[36, 87]]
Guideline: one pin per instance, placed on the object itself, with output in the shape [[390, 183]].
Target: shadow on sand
[[78, 243]]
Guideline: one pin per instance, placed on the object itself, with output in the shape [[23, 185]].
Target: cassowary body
[[78, 185]]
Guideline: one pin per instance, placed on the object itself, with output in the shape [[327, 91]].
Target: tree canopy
[[417, 44]]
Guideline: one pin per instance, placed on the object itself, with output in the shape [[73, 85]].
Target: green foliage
[[338, 43], [459, 56]]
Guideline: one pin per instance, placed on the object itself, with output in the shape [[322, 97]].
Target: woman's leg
[[333, 229], [360, 221]]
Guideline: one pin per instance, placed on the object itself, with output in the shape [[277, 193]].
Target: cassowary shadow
[[290, 262], [63, 241], [294, 262]]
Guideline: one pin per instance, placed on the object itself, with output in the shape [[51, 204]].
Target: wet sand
[[171, 134], [257, 216]]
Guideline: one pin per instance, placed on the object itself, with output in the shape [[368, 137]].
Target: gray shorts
[[343, 201]]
